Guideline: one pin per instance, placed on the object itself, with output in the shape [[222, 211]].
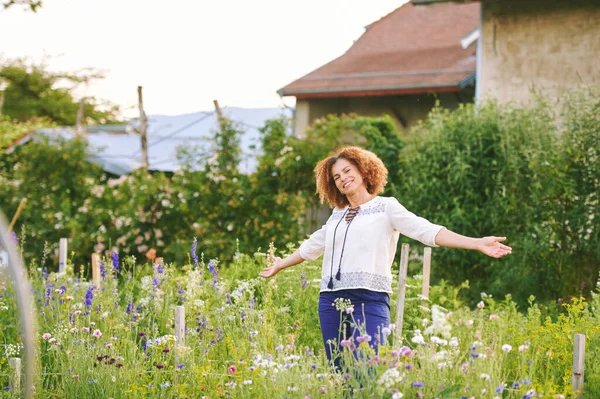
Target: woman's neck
[[359, 198]]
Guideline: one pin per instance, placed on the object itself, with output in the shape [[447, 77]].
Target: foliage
[[35, 92], [520, 172], [32, 5], [250, 337], [14, 130]]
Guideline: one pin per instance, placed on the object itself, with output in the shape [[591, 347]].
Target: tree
[[33, 5], [32, 92]]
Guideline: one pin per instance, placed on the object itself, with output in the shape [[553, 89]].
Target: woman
[[359, 242]]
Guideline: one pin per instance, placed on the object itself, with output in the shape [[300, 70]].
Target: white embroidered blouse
[[364, 249]]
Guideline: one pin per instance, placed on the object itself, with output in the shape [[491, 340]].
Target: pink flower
[[494, 316], [69, 298], [52, 340], [77, 312], [74, 330], [232, 370], [92, 324], [480, 305], [46, 336], [469, 322], [85, 329], [97, 333], [364, 338], [76, 376], [349, 310]]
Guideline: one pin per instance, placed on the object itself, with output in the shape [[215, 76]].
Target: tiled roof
[[414, 49]]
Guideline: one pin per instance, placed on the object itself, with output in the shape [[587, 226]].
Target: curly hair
[[372, 169]]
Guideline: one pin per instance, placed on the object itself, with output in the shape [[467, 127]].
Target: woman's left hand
[[492, 246]]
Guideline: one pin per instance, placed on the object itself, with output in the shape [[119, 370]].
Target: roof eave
[[372, 91]]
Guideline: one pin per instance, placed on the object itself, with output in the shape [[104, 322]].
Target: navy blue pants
[[371, 311]]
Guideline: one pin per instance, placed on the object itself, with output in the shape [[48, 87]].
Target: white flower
[[397, 395], [440, 324], [480, 305], [248, 382], [523, 348], [506, 348], [453, 342], [484, 376]]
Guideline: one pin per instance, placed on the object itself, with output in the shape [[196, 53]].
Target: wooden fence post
[[96, 269], [426, 274], [578, 364], [401, 291], [62, 255], [14, 381], [179, 331], [143, 129]]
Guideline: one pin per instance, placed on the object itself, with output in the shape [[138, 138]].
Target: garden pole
[[96, 269], [401, 291], [80, 114], [62, 255], [578, 364], [426, 273], [143, 129], [26, 310], [17, 213], [14, 382], [179, 333]]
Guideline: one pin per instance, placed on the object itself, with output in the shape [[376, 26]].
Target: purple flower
[[303, 281], [516, 384], [89, 295], [418, 384], [180, 366], [14, 238], [194, 256], [115, 261]]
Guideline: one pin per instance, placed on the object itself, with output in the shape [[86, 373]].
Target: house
[[117, 148], [534, 46], [400, 66]]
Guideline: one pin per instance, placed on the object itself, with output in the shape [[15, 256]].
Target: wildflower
[[52, 340], [89, 296], [523, 348], [92, 324], [506, 348], [500, 388], [350, 310], [440, 324], [115, 261], [484, 376], [165, 385], [364, 338], [248, 382], [77, 312], [180, 366], [231, 370], [494, 316], [193, 252], [480, 305], [159, 366], [47, 336], [92, 382], [418, 384], [75, 376], [108, 344], [397, 395], [529, 394], [418, 338], [113, 379], [279, 347], [97, 333], [516, 384], [469, 322], [166, 350], [69, 298]]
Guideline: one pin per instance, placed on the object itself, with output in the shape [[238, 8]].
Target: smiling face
[[347, 177]]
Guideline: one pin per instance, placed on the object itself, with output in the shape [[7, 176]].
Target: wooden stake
[[578, 364], [426, 273], [96, 269], [17, 213], [401, 291], [79, 126], [143, 129], [14, 381], [219, 115], [179, 330], [62, 255], [180, 325]]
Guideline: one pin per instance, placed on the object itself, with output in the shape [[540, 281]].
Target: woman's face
[[346, 176]]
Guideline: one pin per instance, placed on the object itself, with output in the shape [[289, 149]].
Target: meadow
[[246, 337]]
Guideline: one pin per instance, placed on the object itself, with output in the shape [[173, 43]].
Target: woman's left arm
[[490, 246]]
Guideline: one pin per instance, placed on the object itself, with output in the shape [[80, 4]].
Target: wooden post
[[1, 101], [14, 381], [401, 291], [219, 115], [143, 129], [17, 213], [96, 269], [578, 364], [62, 255], [79, 125], [179, 331], [426, 274]]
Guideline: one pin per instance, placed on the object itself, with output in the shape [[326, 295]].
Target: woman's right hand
[[276, 265]]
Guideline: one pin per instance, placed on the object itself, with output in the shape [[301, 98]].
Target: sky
[[186, 53]]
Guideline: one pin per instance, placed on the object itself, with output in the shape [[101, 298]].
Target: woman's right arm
[[280, 264]]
